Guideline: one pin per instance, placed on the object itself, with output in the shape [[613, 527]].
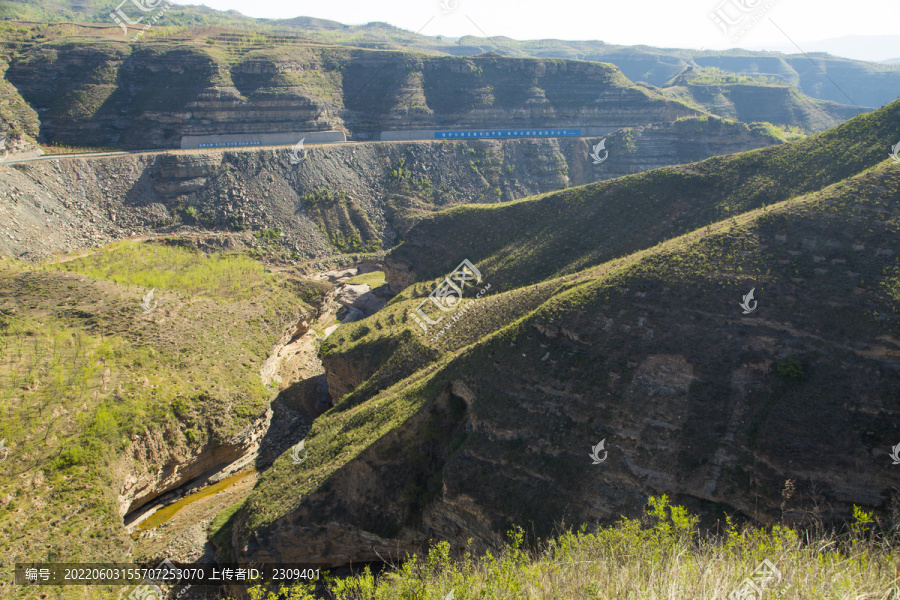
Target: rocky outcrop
[[268, 373], [398, 273], [179, 175], [375, 488], [687, 140], [156, 465], [55, 205], [345, 374]]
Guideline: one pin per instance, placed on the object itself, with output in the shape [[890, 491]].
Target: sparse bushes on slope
[[659, 556], [86, 372], [533, 239]]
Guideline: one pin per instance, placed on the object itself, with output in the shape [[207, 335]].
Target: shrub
[[790, 368]]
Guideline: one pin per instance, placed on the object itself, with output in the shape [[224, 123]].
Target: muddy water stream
[[167, 512]]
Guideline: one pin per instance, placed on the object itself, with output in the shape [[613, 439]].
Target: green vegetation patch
[[175, 267], [660, 556], [373, 280], [335, 439], [526, 241], [87, 375], [341, 220]]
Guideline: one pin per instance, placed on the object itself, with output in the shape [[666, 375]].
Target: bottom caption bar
[[166, 573]]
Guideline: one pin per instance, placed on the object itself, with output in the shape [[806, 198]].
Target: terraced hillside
[[756, 98], [148, 95], [81, 86], [612, 312], [814, 74]]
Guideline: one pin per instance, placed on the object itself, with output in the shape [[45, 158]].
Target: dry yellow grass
[[659, 558]]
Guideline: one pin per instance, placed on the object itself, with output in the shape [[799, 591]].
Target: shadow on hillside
[[294, 410]]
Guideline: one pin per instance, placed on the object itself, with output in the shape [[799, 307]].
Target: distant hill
[[150, 94], [867, 84], [872, 48], [82, 85], [98, 11]]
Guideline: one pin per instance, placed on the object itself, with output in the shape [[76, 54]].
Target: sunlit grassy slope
[[530, 240], [85, 372], [658, 557]]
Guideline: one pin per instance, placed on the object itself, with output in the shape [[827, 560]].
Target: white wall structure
[[238, 140]]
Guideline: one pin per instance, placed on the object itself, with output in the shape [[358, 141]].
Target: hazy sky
[[685, 24]]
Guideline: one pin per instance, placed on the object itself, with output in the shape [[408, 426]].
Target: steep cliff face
[[156, 465], [62, 204], [386, 491], [638, 149], [826, 77], [149, 95], [751, 102], [868, 84]]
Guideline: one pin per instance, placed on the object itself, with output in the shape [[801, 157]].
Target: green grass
[[716, 76], [530, 240], [335, 439], [660, 556], [220, 527], [172, 267], [373, 280], [64, 149], [85, 374]]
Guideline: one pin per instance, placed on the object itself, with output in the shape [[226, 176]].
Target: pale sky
[[685, 24]]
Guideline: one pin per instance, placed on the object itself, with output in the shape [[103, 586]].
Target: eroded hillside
[[487, 419], [340, 198], [134, 373], [149, 95], [82, 86]]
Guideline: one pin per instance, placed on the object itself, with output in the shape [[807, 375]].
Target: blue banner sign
[[227, 144], [505, 133]]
